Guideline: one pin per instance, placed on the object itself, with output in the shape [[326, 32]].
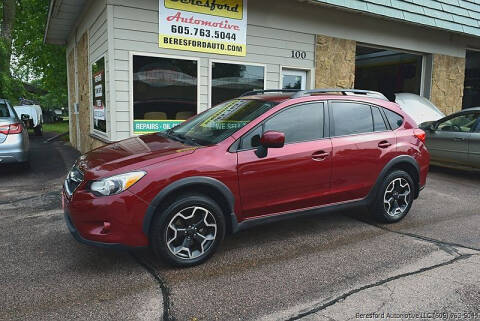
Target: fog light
[[106, 227]]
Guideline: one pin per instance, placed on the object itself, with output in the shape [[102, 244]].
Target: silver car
[[454, 141], [14, 143]]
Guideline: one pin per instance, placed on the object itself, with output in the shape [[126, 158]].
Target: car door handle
[[320, 155], [384, 144], [459, 139]]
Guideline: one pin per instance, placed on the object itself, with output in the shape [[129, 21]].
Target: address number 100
[[297, 54]]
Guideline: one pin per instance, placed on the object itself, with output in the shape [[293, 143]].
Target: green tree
[[44, 62], [41, 65], [8, 10]]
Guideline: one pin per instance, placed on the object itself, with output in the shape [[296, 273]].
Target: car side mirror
[[430, 126], [272, 139], [25, 117]]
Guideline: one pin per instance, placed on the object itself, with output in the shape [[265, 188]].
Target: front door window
[[463, 124]]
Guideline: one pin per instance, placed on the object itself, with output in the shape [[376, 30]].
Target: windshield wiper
[[191, 141], [180, 138]]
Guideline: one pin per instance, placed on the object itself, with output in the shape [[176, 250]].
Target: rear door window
[[350, 118], [4, 112]]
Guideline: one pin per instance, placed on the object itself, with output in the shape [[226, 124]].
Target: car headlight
[[115, 184]]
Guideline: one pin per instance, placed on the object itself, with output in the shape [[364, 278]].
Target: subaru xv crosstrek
[[265, 156]]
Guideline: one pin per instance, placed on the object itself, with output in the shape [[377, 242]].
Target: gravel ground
[[332, 267]]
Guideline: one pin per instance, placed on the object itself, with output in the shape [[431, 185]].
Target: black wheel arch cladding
[[208, 184]]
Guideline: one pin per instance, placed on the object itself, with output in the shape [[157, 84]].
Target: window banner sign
[[212, 26], [141, 127]]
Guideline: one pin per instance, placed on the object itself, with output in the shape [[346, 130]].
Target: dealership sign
[[212, 26], [153, 126], [98, 78]]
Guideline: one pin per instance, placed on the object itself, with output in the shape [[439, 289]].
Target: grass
[[56, 128]]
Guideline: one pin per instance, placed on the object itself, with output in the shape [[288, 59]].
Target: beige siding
[[275, 28], [136, 30], [98, 48]]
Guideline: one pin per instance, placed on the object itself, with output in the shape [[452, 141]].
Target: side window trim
[[385, 120], [262, 124]]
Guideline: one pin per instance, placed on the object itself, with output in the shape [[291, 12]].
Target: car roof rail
[[266, 91], [346, 92]]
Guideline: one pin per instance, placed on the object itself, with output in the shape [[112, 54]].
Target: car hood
[[418, 108], [131, 154]]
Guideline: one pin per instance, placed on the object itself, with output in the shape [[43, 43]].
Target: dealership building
[[142, 66]]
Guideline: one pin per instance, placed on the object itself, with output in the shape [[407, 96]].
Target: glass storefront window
[[99, 97], [471, 93], [232, 80], [164, 92]]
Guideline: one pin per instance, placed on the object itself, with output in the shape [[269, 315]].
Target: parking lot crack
[[449, 247], [375, 284], [165, 291], [17, 200]]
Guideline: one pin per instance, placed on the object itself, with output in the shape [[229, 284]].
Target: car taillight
[[4, 129], [420, 134], [11, 129]]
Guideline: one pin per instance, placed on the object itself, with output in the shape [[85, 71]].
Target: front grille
[[73, 180]]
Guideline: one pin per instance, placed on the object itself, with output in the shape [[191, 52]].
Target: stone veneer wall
[[448, 76], [87, 142], [334, 62]]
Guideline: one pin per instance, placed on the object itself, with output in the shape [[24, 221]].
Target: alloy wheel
[[191, 232], [396, 198]]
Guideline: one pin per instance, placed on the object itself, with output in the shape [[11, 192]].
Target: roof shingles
[[453, 15]]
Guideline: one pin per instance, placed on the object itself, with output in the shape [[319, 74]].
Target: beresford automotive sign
[[213, 26]]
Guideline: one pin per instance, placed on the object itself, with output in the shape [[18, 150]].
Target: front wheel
[[188, 231], [395, 197]]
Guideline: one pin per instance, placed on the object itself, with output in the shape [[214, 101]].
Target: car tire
[[395, 197], [25, 165], [188, 231], [38, 130]]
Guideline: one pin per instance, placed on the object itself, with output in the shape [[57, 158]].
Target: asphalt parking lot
[[332, 267]]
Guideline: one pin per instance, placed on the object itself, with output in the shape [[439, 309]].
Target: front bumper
[[86, 214], [80, 239]]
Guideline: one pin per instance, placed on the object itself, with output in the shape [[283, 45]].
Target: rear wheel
[[38, 130], [395, 197], [188, 231]]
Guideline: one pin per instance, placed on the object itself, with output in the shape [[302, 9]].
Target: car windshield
[[220, 122]]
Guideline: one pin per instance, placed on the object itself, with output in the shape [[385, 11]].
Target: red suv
[[262, 157]]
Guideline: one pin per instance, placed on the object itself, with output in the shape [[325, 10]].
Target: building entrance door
[[294, 79]]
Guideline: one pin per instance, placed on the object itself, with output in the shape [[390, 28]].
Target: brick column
[[448, 76], [334, 62]]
